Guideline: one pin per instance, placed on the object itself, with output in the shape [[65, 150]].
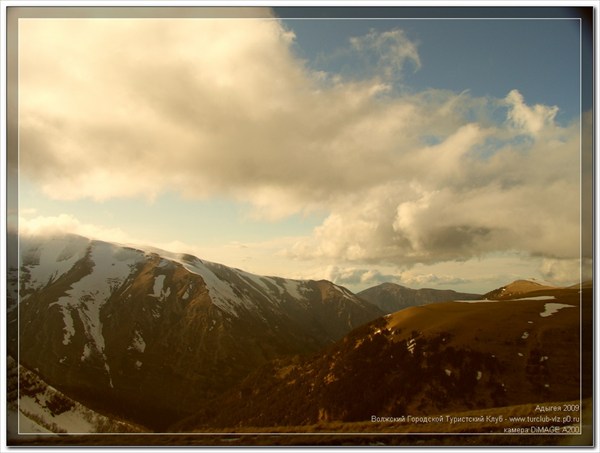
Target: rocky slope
[[391, 297], [149, 336], [433, 359]]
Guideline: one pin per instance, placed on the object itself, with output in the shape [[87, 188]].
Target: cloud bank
[[133, 108]]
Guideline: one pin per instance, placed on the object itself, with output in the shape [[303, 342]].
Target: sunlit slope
[[516, 289], [445, 357]]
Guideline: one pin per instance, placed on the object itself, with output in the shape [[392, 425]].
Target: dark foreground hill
[[433, 359]]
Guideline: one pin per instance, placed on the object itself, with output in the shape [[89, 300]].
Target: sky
[[428, 153]]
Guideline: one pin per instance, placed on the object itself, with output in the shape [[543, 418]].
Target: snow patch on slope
[[138, 342], [295, 288], [158, 290], [478, 301], [87, 352], [158, 285], [344, 292], [44, 409], [19, 422], [256, 281], [226, 295], [221, 292], [70, 421], [551, 308], [86, 297], [69, 327], [537, 298]]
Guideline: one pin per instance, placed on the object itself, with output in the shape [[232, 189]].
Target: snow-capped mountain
[[149, 335]]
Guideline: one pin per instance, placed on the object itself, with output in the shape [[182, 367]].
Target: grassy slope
[[446, 357]]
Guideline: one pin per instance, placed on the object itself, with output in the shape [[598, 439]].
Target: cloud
[[456, 200], [130, 108], [566, 271], [354, 277], [68, 224], [363, 278], [360, 278], [423, 280], [133, 108], [529, 119], [389, 51]]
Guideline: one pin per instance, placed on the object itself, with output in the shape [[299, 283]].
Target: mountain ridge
[[391, 297], [152, 337], [133, 332]]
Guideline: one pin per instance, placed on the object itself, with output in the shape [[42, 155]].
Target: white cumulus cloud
[[531, 119], [390, 50], [133, 108]]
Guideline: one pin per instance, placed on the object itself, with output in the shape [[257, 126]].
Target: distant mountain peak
[[391, 297], [517, 288]]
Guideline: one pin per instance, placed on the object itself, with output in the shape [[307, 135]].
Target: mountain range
[[391, 297], [169, 342]]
